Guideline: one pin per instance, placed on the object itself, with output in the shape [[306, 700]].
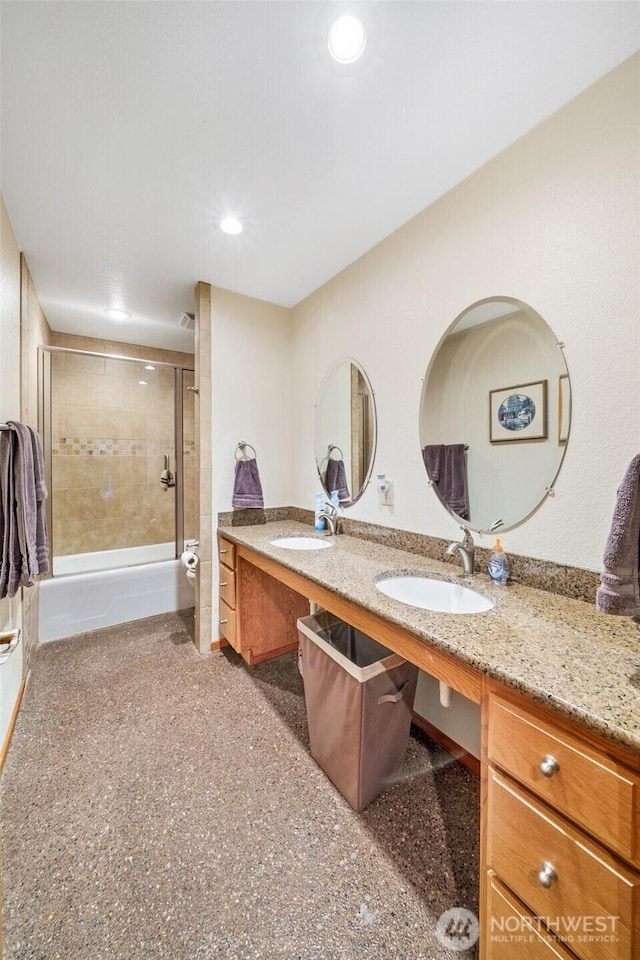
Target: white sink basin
[[438, 595], [301, 543]]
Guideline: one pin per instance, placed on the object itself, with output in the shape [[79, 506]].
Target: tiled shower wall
[[110, 434]]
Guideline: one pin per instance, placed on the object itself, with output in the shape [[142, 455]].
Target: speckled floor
[[156, 805]]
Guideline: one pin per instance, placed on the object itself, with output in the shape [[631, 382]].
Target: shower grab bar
[[7, 648]]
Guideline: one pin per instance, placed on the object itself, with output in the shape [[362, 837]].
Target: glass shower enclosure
[[119, 440]]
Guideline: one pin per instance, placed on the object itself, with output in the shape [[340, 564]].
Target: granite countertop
[[557, 651]]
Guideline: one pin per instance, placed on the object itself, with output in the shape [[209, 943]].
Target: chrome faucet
[[466, 549], [330, 514]]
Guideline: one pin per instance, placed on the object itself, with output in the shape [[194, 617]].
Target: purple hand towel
[[247, 489], [454, 482], [619, 592], [336, 479], [432, 456]]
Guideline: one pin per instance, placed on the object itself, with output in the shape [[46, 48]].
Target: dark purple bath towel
[[447, 467], [23, 529], [336, 479], [247, 489], [619, 592]]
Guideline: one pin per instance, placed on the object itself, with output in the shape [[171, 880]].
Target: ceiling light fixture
[[149, 366], [231, 225], [347, 39], [116, 314]]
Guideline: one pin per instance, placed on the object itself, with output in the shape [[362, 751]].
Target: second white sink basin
[[440, 596], [301, 543]]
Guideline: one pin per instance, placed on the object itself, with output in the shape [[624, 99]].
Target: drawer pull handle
[[223, 583], [224, 621], [548, 766], [547, 874], [224, 551]]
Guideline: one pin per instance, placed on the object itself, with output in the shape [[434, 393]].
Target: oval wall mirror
[[495, 414], [344, 431]]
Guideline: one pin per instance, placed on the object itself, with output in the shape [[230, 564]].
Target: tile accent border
[[101, 446], [572, 582]]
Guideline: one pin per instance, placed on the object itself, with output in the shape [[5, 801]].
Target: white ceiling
[[130, 128]]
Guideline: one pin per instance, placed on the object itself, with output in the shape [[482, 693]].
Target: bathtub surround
[[101, 412], [152, 832], [110, 434]]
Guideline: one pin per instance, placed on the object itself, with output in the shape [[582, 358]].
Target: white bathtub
[[100, 598]]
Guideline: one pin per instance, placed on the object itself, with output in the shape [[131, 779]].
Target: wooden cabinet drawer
[[228, 625], [512, 932], [591, 789], [227, 552], [590, 889], [227, 586]]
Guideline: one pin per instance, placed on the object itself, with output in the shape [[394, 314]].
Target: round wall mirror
[[344, 431], [495, 414]]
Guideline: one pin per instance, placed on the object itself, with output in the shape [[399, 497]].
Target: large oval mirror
[[494, 415], [344, 431]]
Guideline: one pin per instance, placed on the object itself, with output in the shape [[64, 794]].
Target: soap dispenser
[[498, 568]]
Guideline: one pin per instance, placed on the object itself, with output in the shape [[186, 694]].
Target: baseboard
[[14, 716], [471, 762], [219, 644]]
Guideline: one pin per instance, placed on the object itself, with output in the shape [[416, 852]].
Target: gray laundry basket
[[359, 698]]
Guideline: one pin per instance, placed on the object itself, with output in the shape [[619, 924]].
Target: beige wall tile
[[105, 391], [69, 387], [84, 364]]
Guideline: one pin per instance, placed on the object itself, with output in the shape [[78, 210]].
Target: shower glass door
[[191, 513], [113, 462]]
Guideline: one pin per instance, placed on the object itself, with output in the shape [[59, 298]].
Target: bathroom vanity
[[559, 688]]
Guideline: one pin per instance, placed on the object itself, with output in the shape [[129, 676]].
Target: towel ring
[[242, 447], [332, 447]]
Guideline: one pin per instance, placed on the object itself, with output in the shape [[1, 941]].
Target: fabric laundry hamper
[[359, 698]]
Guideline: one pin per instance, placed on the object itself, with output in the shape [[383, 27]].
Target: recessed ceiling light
[[142, 383], [347, 39], [116, 314], [231, 225], [149, 366]]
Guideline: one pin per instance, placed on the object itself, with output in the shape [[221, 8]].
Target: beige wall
[[552, 221], [251, 374]]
